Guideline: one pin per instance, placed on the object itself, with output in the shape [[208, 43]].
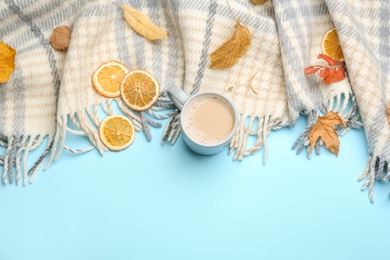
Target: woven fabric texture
[[50, 94], [364, 32]]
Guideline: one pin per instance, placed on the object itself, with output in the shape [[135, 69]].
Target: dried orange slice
[[140, 90], [116, 132], [331, 45], [108, 77]]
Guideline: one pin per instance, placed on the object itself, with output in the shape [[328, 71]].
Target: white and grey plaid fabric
[[28, 102], [49, 89], [196, 29], [301, 27], [364, 32]]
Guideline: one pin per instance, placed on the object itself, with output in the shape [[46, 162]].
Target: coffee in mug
[[208, 119]]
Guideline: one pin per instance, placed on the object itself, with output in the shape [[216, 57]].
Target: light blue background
[[156, 201]]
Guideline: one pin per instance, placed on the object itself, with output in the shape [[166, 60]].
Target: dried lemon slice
[[140, 90], [116, 132], [331, 45], [108, 77]]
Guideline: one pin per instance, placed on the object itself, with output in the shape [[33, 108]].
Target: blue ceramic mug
[[208, 119]]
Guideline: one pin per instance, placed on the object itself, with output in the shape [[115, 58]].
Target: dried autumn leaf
[[324, 129], [310, 70], [388, 112], [142, 25], [324, 73], [339, 75], [60, 38], [258, 2], [329, 60], [332, 75], [233, 49], [7, 62]]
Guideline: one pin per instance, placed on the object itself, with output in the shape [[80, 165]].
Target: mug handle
[[177, 96]]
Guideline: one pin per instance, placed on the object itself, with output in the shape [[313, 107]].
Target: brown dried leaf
[[324, 129], [258, 2], [142, 25], [388, 112], [7, 62], [233, 49], [60, 38]]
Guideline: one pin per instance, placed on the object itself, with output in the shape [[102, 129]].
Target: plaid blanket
[[51, 90]]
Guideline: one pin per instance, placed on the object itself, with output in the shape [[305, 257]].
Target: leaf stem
[[231, 10]]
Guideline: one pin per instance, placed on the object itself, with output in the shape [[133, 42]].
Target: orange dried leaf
[[328, 78], [310, 70], [324, 73], [324, 129], [332, 75], [329, 60], [339, 75], [7, 62], [233, 49]]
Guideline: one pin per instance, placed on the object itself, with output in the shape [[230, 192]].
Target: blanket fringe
[[346, 106], [14, 161], [87, 123], [247, 126], [377, 169], [172, 129], [18, 148]]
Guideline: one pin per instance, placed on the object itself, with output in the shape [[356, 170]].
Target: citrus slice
[[116, 132], [331, 45], [140, 90], [108, 77]]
